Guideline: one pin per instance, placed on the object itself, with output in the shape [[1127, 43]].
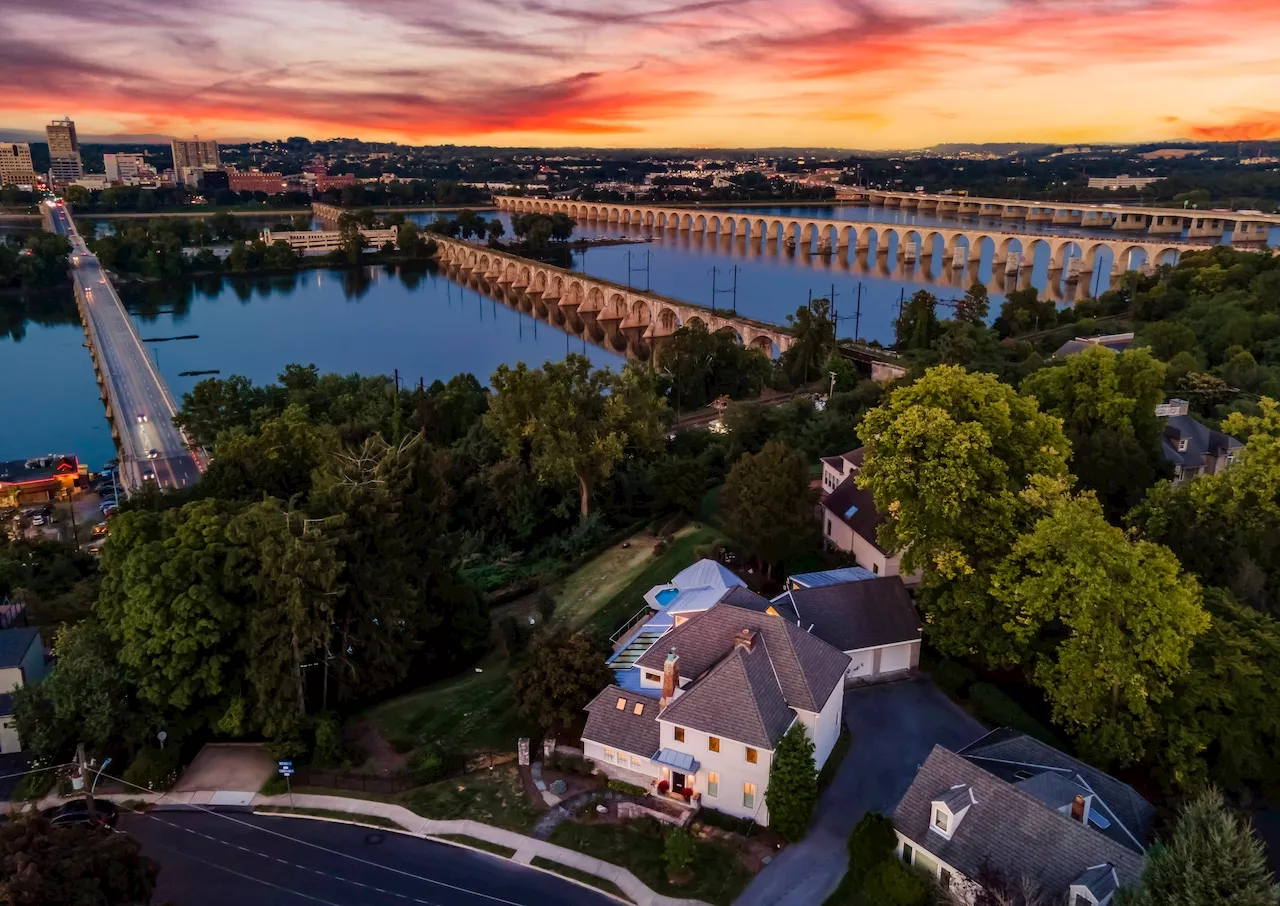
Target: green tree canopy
[[702, 366], [76, 866], [961, 465], [562, 675], [793, 784], [575, 423], [1108, 624], [815, 335], [768, 503]]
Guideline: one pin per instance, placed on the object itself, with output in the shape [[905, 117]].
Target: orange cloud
[[1258, 126]]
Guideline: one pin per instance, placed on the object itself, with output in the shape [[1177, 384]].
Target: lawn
[[584, 877], [473, 712], [491, 797], [718, 875], [601, 578], [376, 820], [609, 614]]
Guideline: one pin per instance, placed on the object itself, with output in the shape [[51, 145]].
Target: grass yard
[[608, 614], [473, 712], [491, 797], [718, 875], [599, 580], [376, 820], [584, 877], [476, 843]]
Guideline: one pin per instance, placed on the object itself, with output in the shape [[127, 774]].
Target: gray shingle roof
[[739, 699], [623, 729], [863, 614], [745, 597], [1006, 828], [808, 668], [1202, 441], [1008, 754], [14, 644], [856, 508]]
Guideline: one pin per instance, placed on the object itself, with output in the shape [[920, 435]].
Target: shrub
[[714, 818], [401, 743], [546, 604], [952, 676], [628, 789], [678, 852], [153, 769], [34, 786], [571, 764], [894, 883], [663, 786], [429, 765], [687, 793], [872, 842], [995, 707], [275, 785], [327, 749]]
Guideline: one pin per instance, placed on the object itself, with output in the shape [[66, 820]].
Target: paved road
[[142, 402], [894, 727], [235, 857]]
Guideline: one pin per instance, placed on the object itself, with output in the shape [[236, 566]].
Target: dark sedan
[[77, 812]]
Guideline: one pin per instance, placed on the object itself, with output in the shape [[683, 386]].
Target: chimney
[[670, 678], [746, 640], [1077, 809]]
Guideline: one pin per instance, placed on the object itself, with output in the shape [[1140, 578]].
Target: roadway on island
[[141, 401], [211, 859]]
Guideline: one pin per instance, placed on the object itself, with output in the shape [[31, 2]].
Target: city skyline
[[867, 74]]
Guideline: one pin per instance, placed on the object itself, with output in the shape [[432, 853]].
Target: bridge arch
[[539, 283], [668, 321], [575, 295], [763, 343], [525, 276], [695, 320]]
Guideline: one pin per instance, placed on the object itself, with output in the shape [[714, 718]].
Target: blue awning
[[677, 760]]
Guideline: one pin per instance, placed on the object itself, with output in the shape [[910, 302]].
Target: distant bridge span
[[955, 244], [612, 315]]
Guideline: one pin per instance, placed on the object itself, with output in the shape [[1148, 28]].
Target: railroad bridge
[[607, 313]]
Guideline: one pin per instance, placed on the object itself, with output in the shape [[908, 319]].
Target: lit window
[[752, 755], [1182, 445], [713, 743], [940, 820], [749, 795], [610, 756], [622, 704], [635, 763], [679, 733], [653, 677], [713, 784], [639, 708]]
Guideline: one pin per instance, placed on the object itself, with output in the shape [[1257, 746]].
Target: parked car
[[99, 530], [76, 812]]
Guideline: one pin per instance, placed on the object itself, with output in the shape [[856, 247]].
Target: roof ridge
[[774, 670], [725, 663]]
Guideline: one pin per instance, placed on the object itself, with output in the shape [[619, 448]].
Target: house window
[[752, 755], [622, 704], [1231, 457], [713, 743], [875, 568], [679, 732], [713, 783], [639, 708], [610, 756], [906, 853], [653, 677], [944, 878], [828, 527], [749, 795], [635, 763], [941, 821], [1182, 445]]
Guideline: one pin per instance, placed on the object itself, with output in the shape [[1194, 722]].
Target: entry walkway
[[526, 848]]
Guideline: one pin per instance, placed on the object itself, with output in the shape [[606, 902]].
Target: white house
[[716, 694], [22, 663], [1009, 808], [850, 518]]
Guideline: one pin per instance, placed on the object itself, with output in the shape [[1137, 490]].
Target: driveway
[[894, 727], [240, 767]]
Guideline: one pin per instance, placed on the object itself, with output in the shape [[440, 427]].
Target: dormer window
[[942, 821], [949, 809], [1182, 445]]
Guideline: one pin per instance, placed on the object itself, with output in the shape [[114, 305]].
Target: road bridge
[[1244, 226], [609, 314], [956, 245], [139, 405]]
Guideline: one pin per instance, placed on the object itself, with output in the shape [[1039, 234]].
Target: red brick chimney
[[670, 678], [1077, 808], [746, 640]]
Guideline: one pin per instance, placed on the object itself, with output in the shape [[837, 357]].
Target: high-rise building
[[64, 151], [15, 165], [193, 155], [126, 168]]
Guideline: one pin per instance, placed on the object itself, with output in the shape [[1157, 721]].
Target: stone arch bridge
[[606, 313], [955, 244]]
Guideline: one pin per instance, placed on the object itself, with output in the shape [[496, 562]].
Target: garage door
[[895, 657], [863, 663]]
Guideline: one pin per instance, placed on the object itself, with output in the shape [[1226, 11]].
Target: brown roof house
[[850, 518], [716, 695], [1008, 809]]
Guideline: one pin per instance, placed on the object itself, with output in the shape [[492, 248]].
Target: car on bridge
[[153, 453], [142, 418]]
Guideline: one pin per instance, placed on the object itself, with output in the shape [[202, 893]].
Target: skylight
[[1098, 820], [849, 512]]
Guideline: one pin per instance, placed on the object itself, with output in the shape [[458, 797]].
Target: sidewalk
[[526, 848]]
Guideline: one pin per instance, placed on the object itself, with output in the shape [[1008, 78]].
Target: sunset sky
[[716, 73]]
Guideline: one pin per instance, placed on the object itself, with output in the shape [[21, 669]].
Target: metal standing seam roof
[[831, 577], [706, 573], [15, 643]]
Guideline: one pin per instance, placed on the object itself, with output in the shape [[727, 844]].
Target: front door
[[677, 781]]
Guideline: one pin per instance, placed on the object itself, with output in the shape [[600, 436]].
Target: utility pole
[[733, 289], [84, 782], [857, 314], [637, 270]]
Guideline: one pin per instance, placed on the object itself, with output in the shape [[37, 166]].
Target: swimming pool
[[666, 596]]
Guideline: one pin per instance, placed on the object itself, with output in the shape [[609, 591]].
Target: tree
[[961, 465], [815, 337], [574, 423], [561, 677], [1107, 405], [276, 460], [77, 195], [1024, 311], [768, 503], [1108, 624], [917, 326], [1211, 859], [793, 784], [78, 866], [974, 305], [703, 366], [351, 240]]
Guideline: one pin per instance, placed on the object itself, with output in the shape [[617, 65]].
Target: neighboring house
[[22, 663], [1115, 342], [871, 620], [714, 697], [829, 577], [1012, 807], [1193, 448], [850, 518]]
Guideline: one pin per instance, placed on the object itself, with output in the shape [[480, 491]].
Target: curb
[[398, 829]]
